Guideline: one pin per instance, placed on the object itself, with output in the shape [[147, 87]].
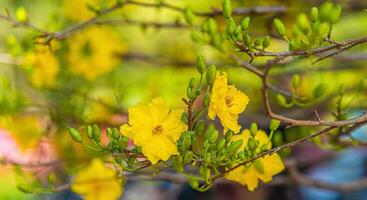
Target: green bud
[[221, 144], [234, 147], [207, 158], [90, 132], [274, 124], [245, 23], [259, 166], [188, 157], [247, 40], [205, 26], [221, 158], [213, 137], [210, 74], [193, 183], [190, 93], [25, 188], [116, 134], [277, 139], [186, 142], [206, 145], [75, 135], [325, 11], [199, 127], [303, 23], [239, 37], [252, 144], [253, 129], [227, 9], [320, 91], [189, 15], [123, 143], [192, 83], [207, 174], [282, 100], [229, 135], [231, 26], [109, 132], [200, 64], [314, 14], [212, 25], [21, 14], [207, 99], [279, 26], [258, 41], [96, 133], [335, 14], [266, 42], [296, 80]]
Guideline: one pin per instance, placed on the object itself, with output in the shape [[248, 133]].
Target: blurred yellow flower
[[227, 103], [78, 10], [44, 67], [97, 182], [94, 52], [156, 128], [263, 168]]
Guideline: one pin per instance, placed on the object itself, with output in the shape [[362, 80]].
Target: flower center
[[157, 130], [229, 101]]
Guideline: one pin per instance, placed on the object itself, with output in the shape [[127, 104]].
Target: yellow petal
[[159, 110], [173, 127], [272, 165], [159, 148]]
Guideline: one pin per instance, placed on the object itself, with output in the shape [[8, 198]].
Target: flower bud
[[186, 142], [207, 99], [314, 14], [75, 135], [96, 133], [296, 80], [200, 64], [213, 137], [257, 42], [320, 91], [231, 26], [21, 14], [207, 174], [234, 147], [266, 42], [210, 74], [229, 135], [116, 134], [252, 144], [199, 127], [221, 144], [227, 9], [212, 25], [245, 23], [274, 124], [189, 15], [335, 14], [188, 157], [193, 183], [90, 132], [192, 83], [282, 100], [279, 26], [247, 40], [190, 93], [253, 129]]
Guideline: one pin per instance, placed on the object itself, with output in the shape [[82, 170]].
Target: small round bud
[[279, 26]]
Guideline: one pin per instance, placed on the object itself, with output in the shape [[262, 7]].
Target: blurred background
[[93, 76]]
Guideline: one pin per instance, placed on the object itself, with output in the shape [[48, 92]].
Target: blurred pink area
[[33, 158]]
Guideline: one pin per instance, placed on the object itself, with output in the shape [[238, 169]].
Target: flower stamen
[[157, 130]]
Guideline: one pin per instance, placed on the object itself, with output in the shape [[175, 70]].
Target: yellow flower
[[78, 10], [227, 103], [97, 182], [44, 67], [94, 52], [263, 168], [155, 128]]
